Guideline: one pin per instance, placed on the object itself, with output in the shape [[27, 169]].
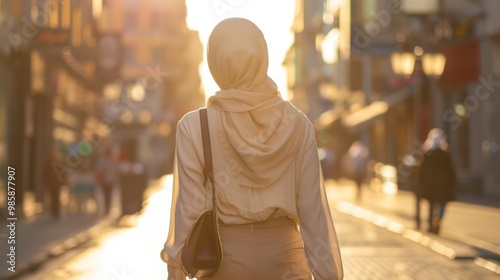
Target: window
[[40, 12], [130, 20], [65, 14], [157, 55], [156, 22], [77, 27], [130, 55], [132, 3], [54, 13]]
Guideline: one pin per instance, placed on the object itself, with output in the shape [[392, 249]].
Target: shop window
[[54, 13], [65, 14], [77, 27], [458, 131], [130, 20], [156, 22], [40, 12], [496, 57], [130, 55], [157, 55]]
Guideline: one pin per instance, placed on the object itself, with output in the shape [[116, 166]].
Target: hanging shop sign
[[462, 63], [420, 7], [47, 37]]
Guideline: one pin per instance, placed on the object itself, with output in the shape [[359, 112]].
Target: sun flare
[[274, 18]]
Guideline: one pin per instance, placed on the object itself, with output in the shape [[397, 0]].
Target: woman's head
[[238, 58], [436, 139]]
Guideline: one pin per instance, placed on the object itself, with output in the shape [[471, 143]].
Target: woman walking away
[[275, 222], [437, 182], [82, 187]]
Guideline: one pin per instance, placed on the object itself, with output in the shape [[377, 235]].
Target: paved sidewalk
[[368, 252], [396, 213], [41, 238]]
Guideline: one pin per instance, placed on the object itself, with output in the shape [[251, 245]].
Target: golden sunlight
[[274, 18]]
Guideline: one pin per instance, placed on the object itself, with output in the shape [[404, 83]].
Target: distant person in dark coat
[[437, 182]]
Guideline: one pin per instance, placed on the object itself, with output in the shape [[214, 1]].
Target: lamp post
[[403, 63], [433, 63]]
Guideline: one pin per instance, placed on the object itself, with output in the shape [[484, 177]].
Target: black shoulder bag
[[202, 253]]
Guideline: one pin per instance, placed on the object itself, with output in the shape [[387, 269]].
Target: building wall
[[37, 68], [485, 145], [163, 56], [475, 138]]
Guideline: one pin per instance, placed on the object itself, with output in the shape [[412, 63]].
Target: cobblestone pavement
[[369, 252]]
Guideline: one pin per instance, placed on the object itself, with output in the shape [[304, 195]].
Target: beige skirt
[[269, 250]]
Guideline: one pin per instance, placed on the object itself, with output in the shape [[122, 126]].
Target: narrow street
[[131, 250], [402, 98]]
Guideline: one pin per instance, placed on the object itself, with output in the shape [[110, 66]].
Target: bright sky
[[273, 17]]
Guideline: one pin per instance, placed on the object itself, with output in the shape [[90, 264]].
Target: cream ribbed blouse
[[299, 194]]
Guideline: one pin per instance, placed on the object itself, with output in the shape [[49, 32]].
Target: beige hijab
[[259, 132]]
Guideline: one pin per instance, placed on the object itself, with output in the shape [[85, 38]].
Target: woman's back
[[267, 173]]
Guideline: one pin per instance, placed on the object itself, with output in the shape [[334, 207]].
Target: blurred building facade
[[348, 60], [158, 81], [78, 77], [49, 86], [310, 83]]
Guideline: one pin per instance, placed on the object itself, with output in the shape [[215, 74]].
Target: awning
[[374, 111], [328, 118]]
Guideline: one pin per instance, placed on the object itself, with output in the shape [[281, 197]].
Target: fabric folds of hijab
[[259, 132]]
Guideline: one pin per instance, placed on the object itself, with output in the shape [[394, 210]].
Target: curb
[[58, 250], [434, 243]]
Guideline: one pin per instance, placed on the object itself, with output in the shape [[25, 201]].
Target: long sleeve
[[188, 194], [316, 224]]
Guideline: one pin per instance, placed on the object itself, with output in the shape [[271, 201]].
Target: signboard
[[47, 37], [420, 6], [462, 63]]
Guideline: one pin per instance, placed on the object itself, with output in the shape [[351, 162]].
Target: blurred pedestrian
[[268, 177], [82, 182], [355, 165], [437, 181], [133, 181], [106, 174], [53, 186]]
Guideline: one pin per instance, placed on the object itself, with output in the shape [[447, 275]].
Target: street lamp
[[137, 92], [112, 91], [403, 63], [433, 64]]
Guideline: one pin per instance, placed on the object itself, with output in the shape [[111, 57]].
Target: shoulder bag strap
[[208, 171]]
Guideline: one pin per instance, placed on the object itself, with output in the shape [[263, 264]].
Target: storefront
[[469, 87], [61, 109], [4, 82], [490, 142]]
